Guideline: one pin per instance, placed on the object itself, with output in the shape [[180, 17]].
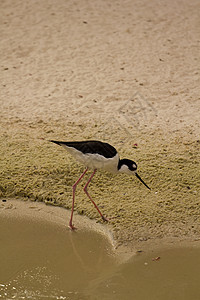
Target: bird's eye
[[134, 167]]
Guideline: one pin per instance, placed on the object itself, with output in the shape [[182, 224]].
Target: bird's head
[[129, 167]]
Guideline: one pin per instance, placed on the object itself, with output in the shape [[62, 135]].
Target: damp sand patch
[[40, 213]]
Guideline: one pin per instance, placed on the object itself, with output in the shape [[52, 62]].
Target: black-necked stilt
[[97, 155]]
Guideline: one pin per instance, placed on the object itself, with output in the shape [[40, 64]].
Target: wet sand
[[123, 73], [39, 213]]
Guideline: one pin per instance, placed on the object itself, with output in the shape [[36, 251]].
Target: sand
[[125, 72]]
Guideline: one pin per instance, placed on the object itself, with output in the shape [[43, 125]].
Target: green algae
[[32, 168]]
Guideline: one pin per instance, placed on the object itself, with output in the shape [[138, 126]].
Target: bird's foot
[[72, 227], [105, 219]]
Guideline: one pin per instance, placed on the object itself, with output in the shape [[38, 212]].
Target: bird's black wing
[[93, 147]]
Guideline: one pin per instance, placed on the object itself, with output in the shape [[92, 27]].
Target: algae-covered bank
[[36, 170], [112, 72]]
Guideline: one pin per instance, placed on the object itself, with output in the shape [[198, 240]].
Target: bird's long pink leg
[[85, 190], [71, 226]]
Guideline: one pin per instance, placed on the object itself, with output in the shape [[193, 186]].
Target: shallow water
[[40, 260]]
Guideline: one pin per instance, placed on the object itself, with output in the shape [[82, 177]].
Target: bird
[[97, 155]]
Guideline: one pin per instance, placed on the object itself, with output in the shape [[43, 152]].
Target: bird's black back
[[93, 147]]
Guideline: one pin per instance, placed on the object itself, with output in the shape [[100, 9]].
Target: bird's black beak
[[136, 174]]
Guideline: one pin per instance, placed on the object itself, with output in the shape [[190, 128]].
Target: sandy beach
[[124, 72]]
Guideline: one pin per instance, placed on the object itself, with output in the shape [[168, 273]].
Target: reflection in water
[[46, 261], [42, 260]]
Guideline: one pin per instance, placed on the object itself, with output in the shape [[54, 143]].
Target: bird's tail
[[56, 142]]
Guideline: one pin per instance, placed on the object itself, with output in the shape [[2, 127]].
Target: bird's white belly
[[95, 161]]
